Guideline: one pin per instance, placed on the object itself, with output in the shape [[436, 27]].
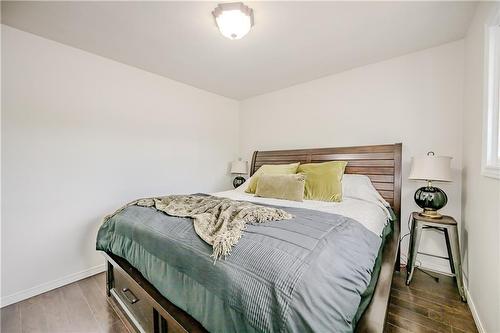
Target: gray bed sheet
[[307, 274]]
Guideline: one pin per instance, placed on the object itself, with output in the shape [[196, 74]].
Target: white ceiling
[[291, 42]]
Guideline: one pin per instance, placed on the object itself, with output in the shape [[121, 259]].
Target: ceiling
[[291, 42]]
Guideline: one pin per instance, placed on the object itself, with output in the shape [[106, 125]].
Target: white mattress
[[370, 213]]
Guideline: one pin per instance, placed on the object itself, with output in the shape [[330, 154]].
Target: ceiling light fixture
[[234, 20]]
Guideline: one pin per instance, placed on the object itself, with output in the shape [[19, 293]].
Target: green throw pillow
[[288, 187], [323, 180], [271, 169]]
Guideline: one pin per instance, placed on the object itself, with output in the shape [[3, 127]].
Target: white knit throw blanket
[[218, 221]]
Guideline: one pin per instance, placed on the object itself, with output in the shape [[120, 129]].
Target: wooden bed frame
[[382, 163]]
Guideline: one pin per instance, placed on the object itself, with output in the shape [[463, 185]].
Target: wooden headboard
[[382, 163]]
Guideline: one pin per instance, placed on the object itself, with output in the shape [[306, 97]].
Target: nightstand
[[448, 226]]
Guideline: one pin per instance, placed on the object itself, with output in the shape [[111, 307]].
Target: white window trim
[[490, 164]]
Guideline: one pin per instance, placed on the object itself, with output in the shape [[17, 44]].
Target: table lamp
[[239, 168], [431, 168]]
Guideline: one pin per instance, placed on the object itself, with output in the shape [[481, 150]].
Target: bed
[[140, 292]]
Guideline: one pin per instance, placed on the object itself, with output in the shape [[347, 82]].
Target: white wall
[[481, 195], [415, 99], [82, 135]]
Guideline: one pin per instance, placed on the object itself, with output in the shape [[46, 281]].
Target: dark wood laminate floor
[[80, 307], [427, 305], [83, 307]]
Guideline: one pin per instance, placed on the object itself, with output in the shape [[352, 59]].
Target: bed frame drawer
[[143, 312], [130, 296]]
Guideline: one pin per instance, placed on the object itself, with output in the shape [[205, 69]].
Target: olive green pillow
[[288, 187], [271, 169], [323, 180]]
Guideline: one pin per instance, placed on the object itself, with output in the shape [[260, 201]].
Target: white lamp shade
[[430, 167], [239, 167]]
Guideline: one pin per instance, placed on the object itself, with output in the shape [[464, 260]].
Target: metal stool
[[448, 225]]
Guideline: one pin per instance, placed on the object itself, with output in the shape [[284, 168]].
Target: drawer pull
[[131, 300]]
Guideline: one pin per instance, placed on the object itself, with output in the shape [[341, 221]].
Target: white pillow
[[361, 187]]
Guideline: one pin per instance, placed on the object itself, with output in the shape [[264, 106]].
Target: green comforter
[[312, 273]]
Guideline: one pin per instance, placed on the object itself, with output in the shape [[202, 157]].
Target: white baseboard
[[44, 287], [473, 310]]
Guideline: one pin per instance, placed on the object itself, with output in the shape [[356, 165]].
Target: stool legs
[[448, 248], [454, 254], [416, 235], [449, 226]]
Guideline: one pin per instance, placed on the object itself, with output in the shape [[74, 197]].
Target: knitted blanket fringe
[[218, 221]]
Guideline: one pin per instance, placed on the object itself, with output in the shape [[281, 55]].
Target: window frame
[[490, 164]]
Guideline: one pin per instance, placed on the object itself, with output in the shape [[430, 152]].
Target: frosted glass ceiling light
[[234, 20]]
